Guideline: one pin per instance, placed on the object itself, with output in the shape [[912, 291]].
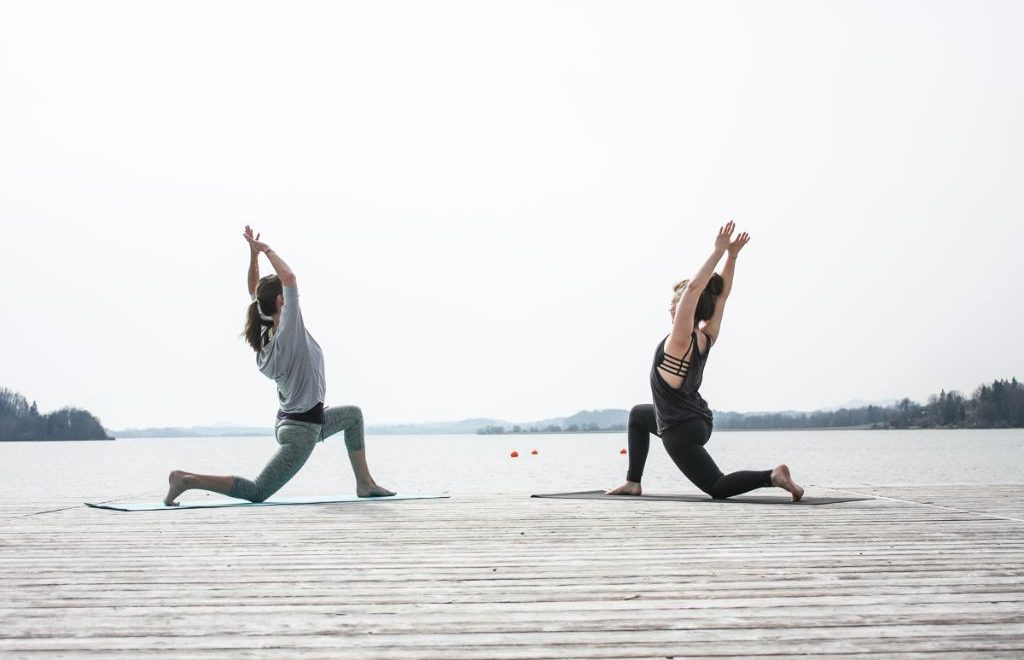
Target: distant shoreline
[[372, 432], [60, 440], [998, 405]]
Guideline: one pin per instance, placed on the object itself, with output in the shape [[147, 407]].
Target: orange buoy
[[622, 451], [515, 454], [534, 452]]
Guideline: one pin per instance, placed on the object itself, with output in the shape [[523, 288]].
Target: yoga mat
[[282, 501], [745, 499]]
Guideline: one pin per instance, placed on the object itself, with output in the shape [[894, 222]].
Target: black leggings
[[685, 444]]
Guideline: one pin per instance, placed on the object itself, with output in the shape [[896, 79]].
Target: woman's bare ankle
[[781, 478], [178, 482], [370, 488], [628, 488]]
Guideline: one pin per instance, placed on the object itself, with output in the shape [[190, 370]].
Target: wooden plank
[[929, 571]]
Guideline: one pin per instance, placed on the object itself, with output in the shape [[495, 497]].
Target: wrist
[[733, 256]]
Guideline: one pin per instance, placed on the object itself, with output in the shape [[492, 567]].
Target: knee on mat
[[258, 494], [712, 490], [717, 493]]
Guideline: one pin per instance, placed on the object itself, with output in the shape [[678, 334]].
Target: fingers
[[736, 244], [741, 240]]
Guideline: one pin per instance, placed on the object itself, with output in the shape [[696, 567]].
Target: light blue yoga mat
[[281, 501]]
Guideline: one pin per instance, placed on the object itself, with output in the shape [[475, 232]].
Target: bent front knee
[[354, 442], [355, 435], [637, 417]]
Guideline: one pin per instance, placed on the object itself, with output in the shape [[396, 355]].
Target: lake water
[[471, 464]]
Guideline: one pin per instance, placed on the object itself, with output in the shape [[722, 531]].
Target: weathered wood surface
[[926, 571]]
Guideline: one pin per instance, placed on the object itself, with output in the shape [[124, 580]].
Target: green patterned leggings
[[296, 440]]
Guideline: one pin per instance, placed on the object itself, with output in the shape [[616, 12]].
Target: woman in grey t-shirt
[[287, 354]]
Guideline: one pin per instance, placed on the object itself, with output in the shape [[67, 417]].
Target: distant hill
[[439, 428], [585, 421], [227, 431], [860, 403], [603, 418], [195, 432]]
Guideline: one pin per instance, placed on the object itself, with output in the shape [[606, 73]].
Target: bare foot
[[179, 482], [372, 490], [628, 488], [782, 479]]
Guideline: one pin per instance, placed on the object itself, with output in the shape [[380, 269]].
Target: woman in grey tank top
[[287, 354], [679, 415]]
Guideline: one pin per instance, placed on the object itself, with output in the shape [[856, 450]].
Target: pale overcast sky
[[487, 203]]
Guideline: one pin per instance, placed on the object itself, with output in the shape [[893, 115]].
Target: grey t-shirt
[[293, 359]]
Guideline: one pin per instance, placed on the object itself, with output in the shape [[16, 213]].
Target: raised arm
[[254, 262], [714, 324], [682, 324], [280, 267]]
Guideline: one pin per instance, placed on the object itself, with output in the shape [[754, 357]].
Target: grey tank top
[[673, 406]]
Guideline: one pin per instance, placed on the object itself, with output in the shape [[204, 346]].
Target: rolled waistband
[[314, 415]]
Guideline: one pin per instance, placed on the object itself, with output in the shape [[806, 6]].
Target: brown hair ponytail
[[708, 297], [257, 316]]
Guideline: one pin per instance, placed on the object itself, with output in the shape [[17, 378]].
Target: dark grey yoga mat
[[744, 499]]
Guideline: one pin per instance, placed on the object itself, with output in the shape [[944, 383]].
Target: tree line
[[20, 420], [996, 405]]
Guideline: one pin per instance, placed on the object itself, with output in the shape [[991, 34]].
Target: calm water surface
[[470, 464]]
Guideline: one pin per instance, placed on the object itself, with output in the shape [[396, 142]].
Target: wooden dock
[[929, 572]]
